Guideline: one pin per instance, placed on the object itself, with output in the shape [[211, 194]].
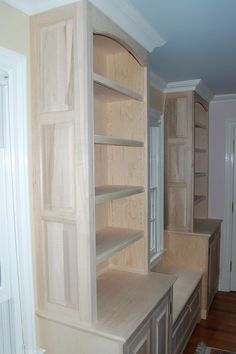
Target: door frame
[[14, 65], [226, 245]]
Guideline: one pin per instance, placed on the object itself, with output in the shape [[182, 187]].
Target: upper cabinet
[[186, 170]]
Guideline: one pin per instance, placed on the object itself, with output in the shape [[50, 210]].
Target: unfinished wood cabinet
[[186, 171], [90, 176]]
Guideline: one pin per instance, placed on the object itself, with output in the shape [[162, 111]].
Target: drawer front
[[186, 322], [161, 327], [140, 343]]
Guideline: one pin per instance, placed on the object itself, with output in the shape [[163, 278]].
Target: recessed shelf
[[107, 193], [107, 140], [111, 240], [109, 90], [200, 150], [199, 199], [200, 174], [200, 125]]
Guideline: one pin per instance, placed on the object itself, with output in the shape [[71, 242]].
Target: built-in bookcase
[[120, 141], [186, 169], [90, 144]]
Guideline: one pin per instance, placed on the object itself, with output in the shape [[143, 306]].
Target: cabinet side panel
[[56, 47], [58, 185], [61, 253], [177, 207]]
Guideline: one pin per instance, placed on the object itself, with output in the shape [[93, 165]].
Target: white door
[[233, 259], [11, 341]]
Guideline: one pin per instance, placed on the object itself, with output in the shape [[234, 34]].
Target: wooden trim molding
[[122, 12], [14, 65]]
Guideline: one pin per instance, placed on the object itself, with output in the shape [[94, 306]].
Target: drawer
[[186, 322]]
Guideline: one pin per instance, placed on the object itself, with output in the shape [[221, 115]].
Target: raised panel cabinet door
[[141, 342], [161, 328], [212, 269]]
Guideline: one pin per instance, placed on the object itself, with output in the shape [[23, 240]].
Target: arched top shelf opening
[[201, 115], [115, 62]]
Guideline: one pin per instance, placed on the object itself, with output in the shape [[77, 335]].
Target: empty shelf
[[200, 125], [107, 140], [106, 193], [108, 90], [199, 199], [200, 174], [200, 150], [111, 240]]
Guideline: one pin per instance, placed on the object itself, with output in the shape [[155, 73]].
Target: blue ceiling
[[201, 40]]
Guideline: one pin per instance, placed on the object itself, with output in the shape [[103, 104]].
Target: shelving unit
[[105, 194], [186, 192], [90, 126]]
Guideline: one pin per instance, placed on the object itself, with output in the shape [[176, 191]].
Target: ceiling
[[201, 41], [200, 37]]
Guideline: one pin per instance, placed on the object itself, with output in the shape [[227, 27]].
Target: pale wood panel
[[56, 67], [126, 120], [177, 207], [201, 162], [101, 165], [58, 167], [111, 240], [126, 70], [200, 114], [177, 117], [101, 212], [105, 26], [118, 165], [128, 212], [188, 251], [108, 90], [126, 165], [61, 252], [177, 162], [201, 138], [100, 117], [201, 209], [200, 185]]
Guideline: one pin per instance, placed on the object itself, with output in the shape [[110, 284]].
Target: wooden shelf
[[199, 199], [200, 150], [109, 90], [111, 240], [107, 140], [200, 174], [107, 193], [200, 125]]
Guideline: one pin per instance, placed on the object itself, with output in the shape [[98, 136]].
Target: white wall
[[219, 113]]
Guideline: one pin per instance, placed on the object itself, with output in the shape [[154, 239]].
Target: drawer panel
[[186, 322]]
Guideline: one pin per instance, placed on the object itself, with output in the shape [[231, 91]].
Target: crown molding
[[225, 98], [122, 12], [180, 86], [157, 82], [190, 85], [204, 91]]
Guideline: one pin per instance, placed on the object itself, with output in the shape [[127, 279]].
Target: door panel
[[141, 343]]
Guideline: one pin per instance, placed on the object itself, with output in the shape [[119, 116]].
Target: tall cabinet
[[186, 192], [91, 186]]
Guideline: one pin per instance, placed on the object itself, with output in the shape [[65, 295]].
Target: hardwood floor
[[219, 330]]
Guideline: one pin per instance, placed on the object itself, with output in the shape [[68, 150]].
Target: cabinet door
[[213, 266], [162, 328], [141, 342]]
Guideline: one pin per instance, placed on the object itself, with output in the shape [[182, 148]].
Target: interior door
[[233, 264], [11, 341]]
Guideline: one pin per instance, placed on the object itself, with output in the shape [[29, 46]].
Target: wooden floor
[[219, 330]]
